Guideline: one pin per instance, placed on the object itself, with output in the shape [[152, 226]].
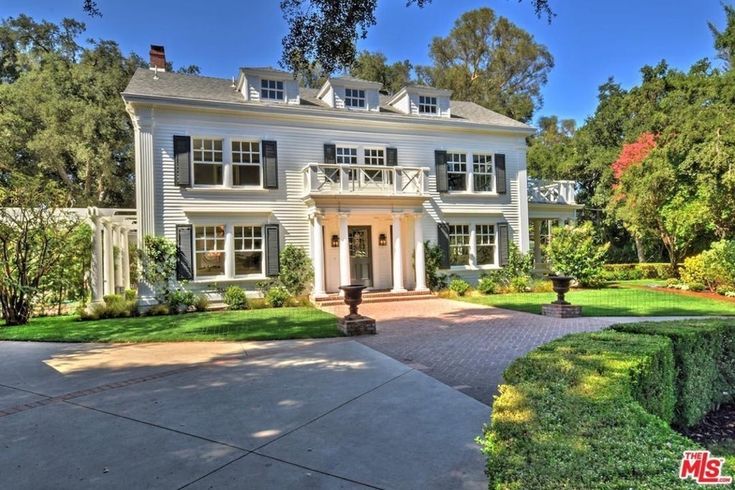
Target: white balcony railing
[[328, 178], [552, 191]]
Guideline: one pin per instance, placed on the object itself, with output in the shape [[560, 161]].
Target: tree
[[725, 39], [35, 232], [374, 67], [551, 148], [326, 31], [574, 251], [489, 60]]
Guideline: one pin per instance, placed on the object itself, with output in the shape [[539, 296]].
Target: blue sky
[[590, 39]]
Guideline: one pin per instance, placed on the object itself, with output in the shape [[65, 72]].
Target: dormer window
[[354, 98], [427, 105], [271, 89]]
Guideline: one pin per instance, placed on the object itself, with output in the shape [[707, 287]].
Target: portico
[[382, 248], [110, 269]]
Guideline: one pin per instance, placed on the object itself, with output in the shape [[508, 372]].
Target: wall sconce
[[382, 240], [335, 241]]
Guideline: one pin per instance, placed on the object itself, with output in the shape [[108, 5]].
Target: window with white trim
[[248, 250], [485, 244], [271, 90], [246, 163], [375, 156], [207, 161], [427, 105], [482, 170], [457, 171], [459, 244], [346, 154], [209, 250], [355, 98]]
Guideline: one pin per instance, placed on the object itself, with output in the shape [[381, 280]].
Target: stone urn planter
[[561, 308], [354, 323]]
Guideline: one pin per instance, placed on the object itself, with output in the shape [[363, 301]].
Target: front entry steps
[[374, 297]]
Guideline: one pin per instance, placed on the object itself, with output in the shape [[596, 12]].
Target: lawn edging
[[593, 410]]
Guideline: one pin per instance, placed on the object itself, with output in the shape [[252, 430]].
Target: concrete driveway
[[294, 414]]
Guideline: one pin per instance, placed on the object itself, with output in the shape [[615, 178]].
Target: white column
[[397, 255], [473, 245], [229, 251], [317, 257], [117, 260], [125, 251], [96, 274], [522, 183], [418, 234], [109, 268], [344, 251]]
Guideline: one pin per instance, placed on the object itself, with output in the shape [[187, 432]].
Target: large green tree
[[550, 148], [489, 60], [374, 66]]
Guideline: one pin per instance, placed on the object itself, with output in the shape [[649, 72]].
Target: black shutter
[[503, 243], [443, 241], [182, 160], [270, 164], [500, 173], [391, 156], [330, 153], [442, 179], [272, 251], [184, 253]]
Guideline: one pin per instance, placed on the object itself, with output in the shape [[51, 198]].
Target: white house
[[233, 170]]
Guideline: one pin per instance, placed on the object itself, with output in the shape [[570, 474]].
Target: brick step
[[377, 298]]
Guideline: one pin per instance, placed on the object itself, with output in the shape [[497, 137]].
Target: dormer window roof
[[265, 84], [422, 100], [351, 93]]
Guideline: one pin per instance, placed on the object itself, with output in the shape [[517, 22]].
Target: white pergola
[[112, 229]]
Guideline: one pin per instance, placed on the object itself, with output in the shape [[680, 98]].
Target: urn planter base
[[561, 311], [357, 325]]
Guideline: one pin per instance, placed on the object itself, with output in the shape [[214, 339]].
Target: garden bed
[[593, 410], [265, 324]]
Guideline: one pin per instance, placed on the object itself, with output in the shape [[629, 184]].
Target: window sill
[[472, 194], [204, 189], [216, 279], [469, 268]]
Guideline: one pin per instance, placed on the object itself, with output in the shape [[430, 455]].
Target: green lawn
[[626, 298], [263, 324]]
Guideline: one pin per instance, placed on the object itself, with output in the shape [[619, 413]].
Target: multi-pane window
[[459, 244], [457, 171], [346, 154], [207, 161], [482, 169], [427, 105], [271, 89], [248, 249], [209, 248], [354, 98], [374, 156], [485, 244], [245, 163]]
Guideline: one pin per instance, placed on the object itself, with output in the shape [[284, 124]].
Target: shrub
[[573, 252], [433, 256], [112, 306], [179, 300], [487, 285], [235, 298], [277, 296], [130, 294], [158, 261], [704, 353], [696, 286], [157, 310], [297, 272], [459, 286], [201, 302], [713, 268], [520, 284], [517, 270]]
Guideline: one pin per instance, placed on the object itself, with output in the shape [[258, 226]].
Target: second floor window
[[246, 163], [248, 250], [209, 248], [459, 244], [346, 154], [482, 169], [271, 90], [457, 171], [354, 98], [207, 161], [427, 105]]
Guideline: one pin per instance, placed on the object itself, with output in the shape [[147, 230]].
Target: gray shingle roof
[[194, 87]]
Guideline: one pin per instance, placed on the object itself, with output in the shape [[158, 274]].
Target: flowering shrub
[[633, 153]]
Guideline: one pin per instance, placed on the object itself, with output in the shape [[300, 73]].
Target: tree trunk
[[16, 311], [639, 249]]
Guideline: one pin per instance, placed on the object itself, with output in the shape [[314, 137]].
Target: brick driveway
[[464, 345]]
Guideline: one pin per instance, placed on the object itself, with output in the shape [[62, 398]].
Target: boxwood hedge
[[590, 411]]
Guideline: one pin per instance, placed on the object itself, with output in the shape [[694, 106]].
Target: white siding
[[300, 143]]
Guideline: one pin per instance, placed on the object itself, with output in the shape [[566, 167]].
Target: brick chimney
[[158, 58]]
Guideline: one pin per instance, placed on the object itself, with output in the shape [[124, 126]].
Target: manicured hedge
[[704, 354], [627, 272], [589, 411]]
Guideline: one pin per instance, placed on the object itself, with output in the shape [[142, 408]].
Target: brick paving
[[464, 345]]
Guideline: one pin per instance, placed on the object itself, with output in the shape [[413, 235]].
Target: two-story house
[[233, 170]]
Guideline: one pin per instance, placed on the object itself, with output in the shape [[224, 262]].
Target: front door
[[361, 266]]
